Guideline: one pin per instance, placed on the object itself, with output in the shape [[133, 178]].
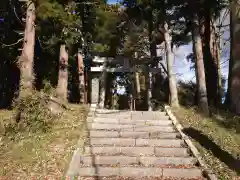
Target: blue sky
[[112, 1]]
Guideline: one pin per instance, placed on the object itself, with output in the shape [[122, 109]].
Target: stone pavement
[[135, 145]]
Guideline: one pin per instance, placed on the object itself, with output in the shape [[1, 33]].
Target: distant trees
[[60, 31]]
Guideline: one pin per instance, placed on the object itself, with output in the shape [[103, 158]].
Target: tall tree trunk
[[62, 88], [172, 80], [210, 61], [27, 56], [234, 67], [81, 77], [201, 83], [230, 66], [217, 56]]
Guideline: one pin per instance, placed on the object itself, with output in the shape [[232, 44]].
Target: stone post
[[103, 86], [150, 92], [95, 91]]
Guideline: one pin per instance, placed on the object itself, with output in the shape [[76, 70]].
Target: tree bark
[[234, 64], [81, 77], [62, 88], [171, 77], [217, 56], [210, 57], [201, 83], [228, 95], [26, 59]]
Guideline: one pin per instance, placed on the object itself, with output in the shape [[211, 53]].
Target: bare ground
[[41, 155]]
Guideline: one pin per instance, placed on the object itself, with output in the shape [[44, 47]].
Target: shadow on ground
[[222, 155]]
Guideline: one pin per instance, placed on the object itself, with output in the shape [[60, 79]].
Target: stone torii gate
[[100, 68]]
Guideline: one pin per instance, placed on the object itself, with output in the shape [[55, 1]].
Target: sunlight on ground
[[217, 138], [43, 155]]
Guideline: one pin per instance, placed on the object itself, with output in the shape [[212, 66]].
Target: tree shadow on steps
[[222, 155]]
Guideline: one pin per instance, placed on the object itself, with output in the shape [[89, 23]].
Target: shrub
[[32, 113], [187, 93]]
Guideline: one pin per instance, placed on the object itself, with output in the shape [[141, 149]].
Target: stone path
[[135, 145]]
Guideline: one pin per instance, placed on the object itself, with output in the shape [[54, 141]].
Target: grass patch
[[41, 154], [217, 139]]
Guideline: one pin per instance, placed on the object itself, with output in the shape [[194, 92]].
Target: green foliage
[[107, 35], [58, 22], [136, 41], [100, 48], [187, 93], [48, 90]]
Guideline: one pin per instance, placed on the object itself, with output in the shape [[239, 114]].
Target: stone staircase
[[135, 145]]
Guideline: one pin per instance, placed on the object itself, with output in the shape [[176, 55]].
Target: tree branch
[[165, 70], [7, 45], [224, 62], [14, 10]]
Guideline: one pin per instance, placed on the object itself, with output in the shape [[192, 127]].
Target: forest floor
[[41, 155], [217, 139]]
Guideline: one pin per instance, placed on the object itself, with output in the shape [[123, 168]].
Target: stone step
[[136, 142], [161, 122], [147, 161], [107, 111], [137, 151], [139, 172], [133, 122], [131, 160], [123, 112], [113, 141], [159, 135], [182, 173], [149, 117], [125, 127], [106, 134], [160, 142], [134, 134], [176, 152], [115, 115], [111, 127], [135, 117], [104, 120], [155, 129]]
